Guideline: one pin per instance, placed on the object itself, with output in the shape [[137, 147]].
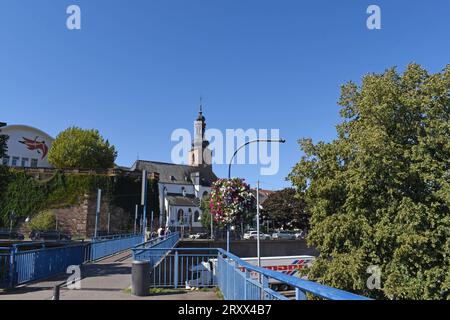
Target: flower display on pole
[[230, 200]]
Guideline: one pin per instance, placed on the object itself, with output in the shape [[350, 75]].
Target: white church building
[[181, 187]]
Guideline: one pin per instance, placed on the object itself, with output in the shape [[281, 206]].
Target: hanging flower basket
[[230, 199]]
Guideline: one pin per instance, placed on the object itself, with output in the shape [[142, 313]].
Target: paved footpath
[[103, 280]]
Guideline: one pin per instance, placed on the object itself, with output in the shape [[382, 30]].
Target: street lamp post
[[258, 246], [229, 177], [144, 203]]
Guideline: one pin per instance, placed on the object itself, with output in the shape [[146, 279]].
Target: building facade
[[27, 146]]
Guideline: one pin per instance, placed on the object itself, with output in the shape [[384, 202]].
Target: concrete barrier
[[247, 248]]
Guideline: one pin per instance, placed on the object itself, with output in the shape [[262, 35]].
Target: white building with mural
[[27, 146]]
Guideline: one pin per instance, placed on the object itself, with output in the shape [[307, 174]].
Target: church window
[[196, 216], [180, 216]]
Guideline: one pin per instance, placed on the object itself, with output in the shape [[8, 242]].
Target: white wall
[[21, 151], [174, 216]]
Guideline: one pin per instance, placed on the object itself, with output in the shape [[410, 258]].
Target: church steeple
[[200, 154], [200, 112], [200, 126]]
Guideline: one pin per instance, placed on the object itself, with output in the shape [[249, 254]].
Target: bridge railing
[[5, 259], [155, 249], [239, 280], [181, 267], [19, 265], [236, 278], [106, 246]]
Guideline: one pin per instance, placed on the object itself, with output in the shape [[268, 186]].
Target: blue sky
[[137, 68]]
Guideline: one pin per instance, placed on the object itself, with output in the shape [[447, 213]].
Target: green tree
[[83, 149], [206, 213], [4, 172], [379, 194], [3, 145], [285, 209]]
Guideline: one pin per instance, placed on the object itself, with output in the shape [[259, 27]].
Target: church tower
[[200, 155]]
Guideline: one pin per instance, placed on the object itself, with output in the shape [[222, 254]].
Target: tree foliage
[[81, 149], [4, 172], [3, 145], [379, 194], [285, 209]]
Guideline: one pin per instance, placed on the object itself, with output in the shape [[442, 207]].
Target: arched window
[[196, 216], [180, 217], [205, 194]]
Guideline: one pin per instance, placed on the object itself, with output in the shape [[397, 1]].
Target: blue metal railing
[[236, 278], [103, 247], [156, 249], [38, 264], [5, 257], [236, 283], [181, 267], [19, 266]]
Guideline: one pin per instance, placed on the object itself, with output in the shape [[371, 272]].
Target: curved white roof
[[25, 127]]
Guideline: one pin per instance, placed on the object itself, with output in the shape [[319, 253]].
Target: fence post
[[235, 273], [299, 294], [175, 276], [247, 277], [265, 284], [226, 280], [12, 267]]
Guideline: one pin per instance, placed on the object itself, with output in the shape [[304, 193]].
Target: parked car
[[300, 234], [199, 235], [251, 235], [283, 235], [48, 235], [11, 235]]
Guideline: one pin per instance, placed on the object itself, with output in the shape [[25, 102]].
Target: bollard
[[56, 292], [140, 278]]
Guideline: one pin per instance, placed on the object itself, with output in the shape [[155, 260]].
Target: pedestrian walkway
[[108, 279]]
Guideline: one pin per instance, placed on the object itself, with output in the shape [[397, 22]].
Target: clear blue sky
[[137, 68]]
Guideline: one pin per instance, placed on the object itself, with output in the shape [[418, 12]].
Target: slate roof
[[176, 173], [181, 201]]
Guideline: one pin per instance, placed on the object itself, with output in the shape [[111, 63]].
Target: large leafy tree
[[379, 194], [4, 173], [83, 149], [285, 209], [3, 145]]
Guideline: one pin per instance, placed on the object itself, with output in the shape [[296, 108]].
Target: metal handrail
[[115, 237], [155, 241], [316, 289], [301, 285]]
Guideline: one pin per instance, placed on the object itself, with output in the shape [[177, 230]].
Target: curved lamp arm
[[247, 143]]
